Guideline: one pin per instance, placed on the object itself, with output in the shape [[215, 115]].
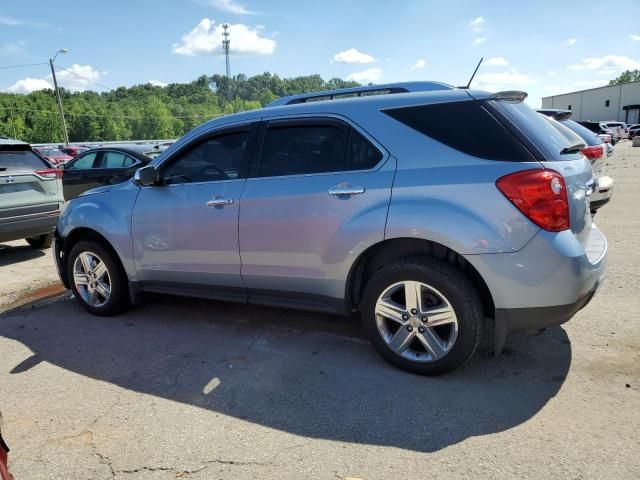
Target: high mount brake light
[[541, 195]]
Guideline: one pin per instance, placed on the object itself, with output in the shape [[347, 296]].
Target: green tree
[[626, 77]]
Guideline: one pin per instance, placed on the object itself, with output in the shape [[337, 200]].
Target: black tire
[[119, 300], [458, 290], [40, 242]]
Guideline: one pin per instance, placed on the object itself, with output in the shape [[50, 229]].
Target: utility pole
[[13, 122], [55, 84], [225, 47]]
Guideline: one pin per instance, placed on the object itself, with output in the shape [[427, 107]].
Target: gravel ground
[[183, 388]]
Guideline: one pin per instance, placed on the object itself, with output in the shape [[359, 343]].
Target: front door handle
[[219, 202], [345, 190]]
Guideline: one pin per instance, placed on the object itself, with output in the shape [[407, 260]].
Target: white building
[[616, 102]]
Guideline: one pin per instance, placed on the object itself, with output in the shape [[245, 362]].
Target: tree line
[[145, 111]]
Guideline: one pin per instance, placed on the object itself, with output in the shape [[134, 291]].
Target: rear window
[[545, 133], [587, 135], [465, 126], [20, 161]]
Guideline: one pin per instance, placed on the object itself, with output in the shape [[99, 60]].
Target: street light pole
[[55, 84]]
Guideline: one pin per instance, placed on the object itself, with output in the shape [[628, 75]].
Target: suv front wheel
[[97, 279], [422, 315]]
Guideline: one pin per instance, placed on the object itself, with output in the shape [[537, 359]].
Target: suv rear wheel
[[97, 279], [422, 315], [40, 242]]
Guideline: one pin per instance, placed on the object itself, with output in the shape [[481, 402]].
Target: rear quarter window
[[466, 126]]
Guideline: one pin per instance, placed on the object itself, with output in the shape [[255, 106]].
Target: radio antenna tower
[[225, 46]]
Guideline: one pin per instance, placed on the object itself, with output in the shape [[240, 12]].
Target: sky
[[543, 47]]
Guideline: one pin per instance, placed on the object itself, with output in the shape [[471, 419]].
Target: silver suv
[[30, 194], [426, 208]]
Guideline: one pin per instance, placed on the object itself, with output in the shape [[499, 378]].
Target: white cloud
[[28, 85], [13, 48], [570, 41], [607, 65], [228, 6], [551, 73], [366, 76], [353, 55], [478, 41], [77, 78], [635, 38], [158, 83], [496, 62], [502, 81], [206, 39], [477, 24], [421, 63], [8, 21]]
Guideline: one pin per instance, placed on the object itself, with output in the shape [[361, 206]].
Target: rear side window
[[113, 160], [361, 155], [20, 161], [465, 126], [299, 150]]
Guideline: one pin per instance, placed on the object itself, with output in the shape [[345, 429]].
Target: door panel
[[178, 238]]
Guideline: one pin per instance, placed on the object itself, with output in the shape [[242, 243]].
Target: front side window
[[303, 149], [82, 163], [214, 159]]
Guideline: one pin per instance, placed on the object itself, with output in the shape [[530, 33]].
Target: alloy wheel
[[92, 279]]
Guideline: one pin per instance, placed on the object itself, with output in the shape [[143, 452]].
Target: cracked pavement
[[184, 388]]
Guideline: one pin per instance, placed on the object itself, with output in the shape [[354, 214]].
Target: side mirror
[[146, 176]]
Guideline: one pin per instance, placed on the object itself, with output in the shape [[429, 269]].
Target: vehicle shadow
[[307, 374], [10, 254]]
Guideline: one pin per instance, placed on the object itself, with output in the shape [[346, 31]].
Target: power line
[[6, 67], [53, 112], [68, 70]]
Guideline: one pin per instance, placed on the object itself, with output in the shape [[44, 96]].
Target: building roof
[[589, 89]]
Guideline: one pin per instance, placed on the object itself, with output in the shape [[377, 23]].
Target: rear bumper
[[545, 283], [33, 225]]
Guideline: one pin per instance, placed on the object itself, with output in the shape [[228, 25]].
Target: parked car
[[634, 131], [102, 166], [30, 194], [291, 205], [73, 150], [55, 156], [4, 457], [601, 130], [595, 150], [620, 127]]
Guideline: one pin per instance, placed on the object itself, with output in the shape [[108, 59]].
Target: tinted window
[[82, 163], [466, 126], [587, 135], [547, 134], [20, 161], [299, 150], [215, 159], [128, 161], [361, 155], [113, 160]]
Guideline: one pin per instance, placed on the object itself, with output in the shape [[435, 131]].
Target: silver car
[[30, 194], [426, 208]]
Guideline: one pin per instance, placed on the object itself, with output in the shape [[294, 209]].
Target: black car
[[103, 166]]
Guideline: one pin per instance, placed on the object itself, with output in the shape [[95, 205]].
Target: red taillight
[[50, 173], [541, 195], [594, 152]]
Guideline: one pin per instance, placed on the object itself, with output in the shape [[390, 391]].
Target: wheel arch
[[84, 233], [390, 250]]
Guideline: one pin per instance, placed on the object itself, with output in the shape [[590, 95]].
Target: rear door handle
[[344, 190], [219, 202]]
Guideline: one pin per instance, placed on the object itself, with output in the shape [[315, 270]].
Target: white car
[[620, 129]]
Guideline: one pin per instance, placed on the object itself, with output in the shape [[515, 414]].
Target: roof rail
[[385, 89]]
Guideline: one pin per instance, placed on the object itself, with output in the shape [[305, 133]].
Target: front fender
[[107, 213]]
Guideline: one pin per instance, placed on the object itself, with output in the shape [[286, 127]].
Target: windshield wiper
[[572, 149]]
